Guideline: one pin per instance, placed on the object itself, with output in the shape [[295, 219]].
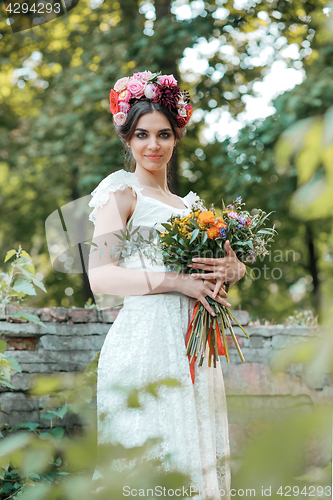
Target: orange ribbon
[[188, 338], [220, 348]]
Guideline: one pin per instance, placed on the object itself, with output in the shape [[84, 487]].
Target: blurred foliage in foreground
[[38, 465], [290, 451]]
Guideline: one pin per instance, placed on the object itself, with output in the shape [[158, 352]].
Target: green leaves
[[307, 144], [12, 287], [9, 254], [24, 287]]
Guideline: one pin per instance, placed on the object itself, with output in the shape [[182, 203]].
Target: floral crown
[[162, 89]]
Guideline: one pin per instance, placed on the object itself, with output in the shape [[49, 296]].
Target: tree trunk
[[86, 290], [313, 268]]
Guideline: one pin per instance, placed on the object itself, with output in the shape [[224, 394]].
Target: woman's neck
[[152, 180]]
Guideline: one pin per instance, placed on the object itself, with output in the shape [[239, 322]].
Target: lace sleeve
[[195, 201], [113, 182]]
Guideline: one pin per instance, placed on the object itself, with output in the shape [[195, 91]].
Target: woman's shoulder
[[117, 180]]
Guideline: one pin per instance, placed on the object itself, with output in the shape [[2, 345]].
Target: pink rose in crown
[[121, 84], [149, 91], [123, 106], [167, 80], [136, 87], [125, 95], [120, 118], [143, 76]]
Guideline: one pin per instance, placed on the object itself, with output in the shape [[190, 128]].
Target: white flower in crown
[[182, 112], [121, 84], [144, 76], [181, 103], [149, 92], [120, 118]]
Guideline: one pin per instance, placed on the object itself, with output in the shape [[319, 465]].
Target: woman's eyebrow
[[144, 130]]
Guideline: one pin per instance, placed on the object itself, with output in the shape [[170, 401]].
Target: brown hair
[[138, 109]]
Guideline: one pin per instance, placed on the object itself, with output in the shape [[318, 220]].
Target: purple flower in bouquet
[[223, 232]]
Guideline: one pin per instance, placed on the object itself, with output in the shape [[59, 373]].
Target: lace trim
[[120, 180], [194, 200], [113, 182]]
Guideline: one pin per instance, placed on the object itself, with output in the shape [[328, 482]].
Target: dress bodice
[[149, 212]]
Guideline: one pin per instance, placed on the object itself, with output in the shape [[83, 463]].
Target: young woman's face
[[153, 141]]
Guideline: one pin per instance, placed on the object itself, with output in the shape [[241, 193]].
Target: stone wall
[[72, 338]]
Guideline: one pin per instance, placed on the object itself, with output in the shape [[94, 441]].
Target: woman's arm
[[104, 274]]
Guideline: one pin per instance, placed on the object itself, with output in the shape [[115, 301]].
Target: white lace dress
[[147, 343]]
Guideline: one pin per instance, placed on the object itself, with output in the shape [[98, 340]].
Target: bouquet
[[203, 233]]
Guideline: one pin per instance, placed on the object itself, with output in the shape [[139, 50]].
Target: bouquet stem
[[204, 328]]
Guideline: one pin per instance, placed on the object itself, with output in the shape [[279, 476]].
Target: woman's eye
[[164, 135]]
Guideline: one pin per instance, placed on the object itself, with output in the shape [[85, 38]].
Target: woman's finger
[[205, 260], [205, 267], [209, 276], [222, 301], [205, 303], [218, 287]]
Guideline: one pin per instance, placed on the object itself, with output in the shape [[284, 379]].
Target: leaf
[[5, 382], [9, 254], [3, 345], [45, 385], [29, 317], [265, 231], [39, 284], [51, 414], [14, 364], [14, 443], [31, 426], [194, 235], [57, 432], [118, 236], [36, 492], [25, 287], [204, 238]]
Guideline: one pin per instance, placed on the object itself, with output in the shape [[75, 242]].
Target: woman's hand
[[199, 289], [228, 269]]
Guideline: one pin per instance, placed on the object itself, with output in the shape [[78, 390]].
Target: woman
[[147, 340]]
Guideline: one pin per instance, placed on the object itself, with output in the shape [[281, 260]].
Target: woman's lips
[[152, 157]]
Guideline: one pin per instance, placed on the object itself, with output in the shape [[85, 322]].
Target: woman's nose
[[153, 143]]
